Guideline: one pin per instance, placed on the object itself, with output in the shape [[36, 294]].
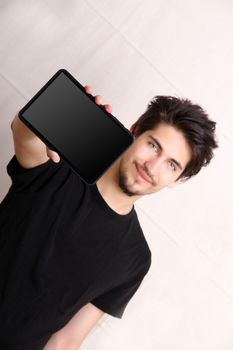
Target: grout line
[[164, 231], [135, 48], [147, 60], [201, 249], [225, 292], [13, 86], [26, 99], [226, 136]]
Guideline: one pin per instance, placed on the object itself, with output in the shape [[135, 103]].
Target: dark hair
[[186, 117]]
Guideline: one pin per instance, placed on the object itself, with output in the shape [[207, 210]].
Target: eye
[[172, 166], [155, 146]]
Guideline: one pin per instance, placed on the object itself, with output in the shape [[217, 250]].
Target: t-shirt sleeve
[[115, 300], [35, 178]]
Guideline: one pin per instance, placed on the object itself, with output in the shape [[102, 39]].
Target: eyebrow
[[161, 148]]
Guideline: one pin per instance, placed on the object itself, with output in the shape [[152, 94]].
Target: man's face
[[160, 155]]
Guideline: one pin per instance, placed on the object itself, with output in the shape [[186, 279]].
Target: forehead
[[172, 141]]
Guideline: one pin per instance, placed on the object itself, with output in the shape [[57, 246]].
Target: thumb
[[54, 156]]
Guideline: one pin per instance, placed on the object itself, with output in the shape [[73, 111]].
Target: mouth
[[142, 176]]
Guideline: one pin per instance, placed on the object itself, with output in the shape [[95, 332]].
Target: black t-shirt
[[61, 247]]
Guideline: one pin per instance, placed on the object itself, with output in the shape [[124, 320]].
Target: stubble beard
[[123, 183]]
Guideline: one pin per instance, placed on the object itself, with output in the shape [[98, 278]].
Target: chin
[[128, 189]]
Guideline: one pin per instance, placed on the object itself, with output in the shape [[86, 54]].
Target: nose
[[152, 168]]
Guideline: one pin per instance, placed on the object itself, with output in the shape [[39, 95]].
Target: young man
[[69, 251]]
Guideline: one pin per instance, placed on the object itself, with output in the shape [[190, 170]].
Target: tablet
[[68, 121]]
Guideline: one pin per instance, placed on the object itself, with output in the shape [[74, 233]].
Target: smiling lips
[[143, 175]]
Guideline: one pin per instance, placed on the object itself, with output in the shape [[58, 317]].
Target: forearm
[[56, 342], [71, 336], [21, 132]]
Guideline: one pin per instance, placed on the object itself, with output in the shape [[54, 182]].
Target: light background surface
[[130, 51]]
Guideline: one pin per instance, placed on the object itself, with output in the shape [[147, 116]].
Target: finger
[[53, 155], [56, 157], [98, 99], [108, 108], [88, 89]]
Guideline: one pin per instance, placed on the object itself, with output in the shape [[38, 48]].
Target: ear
[[132, 128]]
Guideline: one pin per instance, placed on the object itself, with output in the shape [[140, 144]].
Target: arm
[[30, 151], [72, 335]]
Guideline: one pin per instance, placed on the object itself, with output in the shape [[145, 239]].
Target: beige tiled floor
[[130, 51]]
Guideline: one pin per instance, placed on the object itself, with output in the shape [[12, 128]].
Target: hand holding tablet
[[73, 124]]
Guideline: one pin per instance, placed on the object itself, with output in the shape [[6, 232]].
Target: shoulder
[[134, 255], [48, 175], [144, 251], [140, 237]]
